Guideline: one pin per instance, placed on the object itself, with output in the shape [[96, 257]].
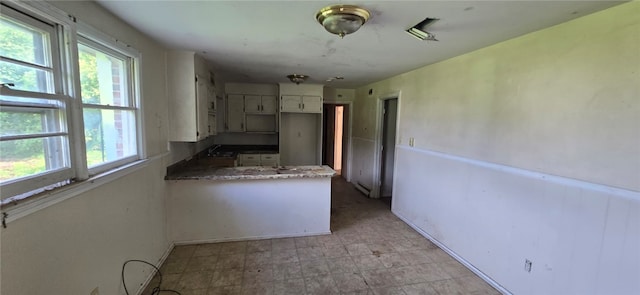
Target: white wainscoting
[[582, 238]]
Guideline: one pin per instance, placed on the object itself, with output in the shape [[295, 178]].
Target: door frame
[[346, 175], [378, 144]]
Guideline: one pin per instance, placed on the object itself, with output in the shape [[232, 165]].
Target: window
[[34, 140], [51, 134], [109, 110]]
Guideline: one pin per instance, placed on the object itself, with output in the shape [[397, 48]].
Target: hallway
[[370, 252]]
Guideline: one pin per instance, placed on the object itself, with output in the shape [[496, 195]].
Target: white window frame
[[98, 41], [33, 182], [68, 30]]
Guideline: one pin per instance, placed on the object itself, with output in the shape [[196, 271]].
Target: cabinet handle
[[303, 106], [209, 129], [258, 107], [300, 106]]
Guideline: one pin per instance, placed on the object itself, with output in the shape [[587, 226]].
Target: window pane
[[50, 103], [102, 77], [23, 121], [109, 135], [25, 157], [26, 78], [20, 42]]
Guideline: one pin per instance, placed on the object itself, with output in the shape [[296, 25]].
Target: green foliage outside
[[26, 157]]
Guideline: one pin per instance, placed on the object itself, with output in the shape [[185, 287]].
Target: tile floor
[[370, 252]]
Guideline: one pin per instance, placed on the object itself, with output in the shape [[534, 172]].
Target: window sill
[[45, 199]]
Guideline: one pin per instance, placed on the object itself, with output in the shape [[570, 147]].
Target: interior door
[[389, 145], [328, 135]]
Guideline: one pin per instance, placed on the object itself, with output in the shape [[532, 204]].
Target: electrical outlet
[[411, 141], [527, 265], [95, 291]]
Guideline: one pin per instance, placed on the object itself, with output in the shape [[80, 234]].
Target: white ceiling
[[263, 41]]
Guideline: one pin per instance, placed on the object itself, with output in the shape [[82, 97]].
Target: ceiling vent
[[420, 30]]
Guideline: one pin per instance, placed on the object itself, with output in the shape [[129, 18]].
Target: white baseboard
[[468, 265], [152, 274]]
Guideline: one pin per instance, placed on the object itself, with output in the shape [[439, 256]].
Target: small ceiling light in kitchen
[[295, 78], [419, 30], [342, 19]]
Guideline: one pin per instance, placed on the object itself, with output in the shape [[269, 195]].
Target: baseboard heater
[[363, 189]]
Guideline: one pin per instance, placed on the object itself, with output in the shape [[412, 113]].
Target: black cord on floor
[[157, 289]]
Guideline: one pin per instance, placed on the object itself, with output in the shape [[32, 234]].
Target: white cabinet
[[270, 160], [235, 113], [213, 124], [300, 136], [301, 104], [260, 104], [188, 91]]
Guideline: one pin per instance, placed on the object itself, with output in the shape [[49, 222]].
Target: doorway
[[335, 135], [388, 148]]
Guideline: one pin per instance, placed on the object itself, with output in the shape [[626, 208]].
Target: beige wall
[[564, 101], [525, 150], [81, 243], [338, 94], [152, 71]]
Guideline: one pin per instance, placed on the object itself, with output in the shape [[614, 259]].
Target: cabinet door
[[252, 104], [212, 99], [202, 100], [269, 103], [235, 113], [249, 159], [212, 124], [291, 103], [312, 104], [271, 160]]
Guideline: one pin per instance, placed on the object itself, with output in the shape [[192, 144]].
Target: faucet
[[213, 149]]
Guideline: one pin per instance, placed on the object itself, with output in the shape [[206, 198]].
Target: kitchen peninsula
[[211, 204]]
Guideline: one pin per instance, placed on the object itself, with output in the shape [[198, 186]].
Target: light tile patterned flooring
[[370, 252]]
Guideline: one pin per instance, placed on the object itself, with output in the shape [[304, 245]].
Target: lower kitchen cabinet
[[271, 160]]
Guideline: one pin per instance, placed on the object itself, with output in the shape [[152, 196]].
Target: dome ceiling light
[[342, 19], [296, 78]]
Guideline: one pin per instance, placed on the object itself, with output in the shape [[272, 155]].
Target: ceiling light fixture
[[335, 78], [419, 30], [296, 78], [342, 19]]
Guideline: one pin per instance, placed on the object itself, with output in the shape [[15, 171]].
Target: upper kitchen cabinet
[[301, 104], [300, 137], [259, 107], [260, 104], [303, 98], [188, 88]]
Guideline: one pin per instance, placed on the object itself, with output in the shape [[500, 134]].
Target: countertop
[[195, 171]]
